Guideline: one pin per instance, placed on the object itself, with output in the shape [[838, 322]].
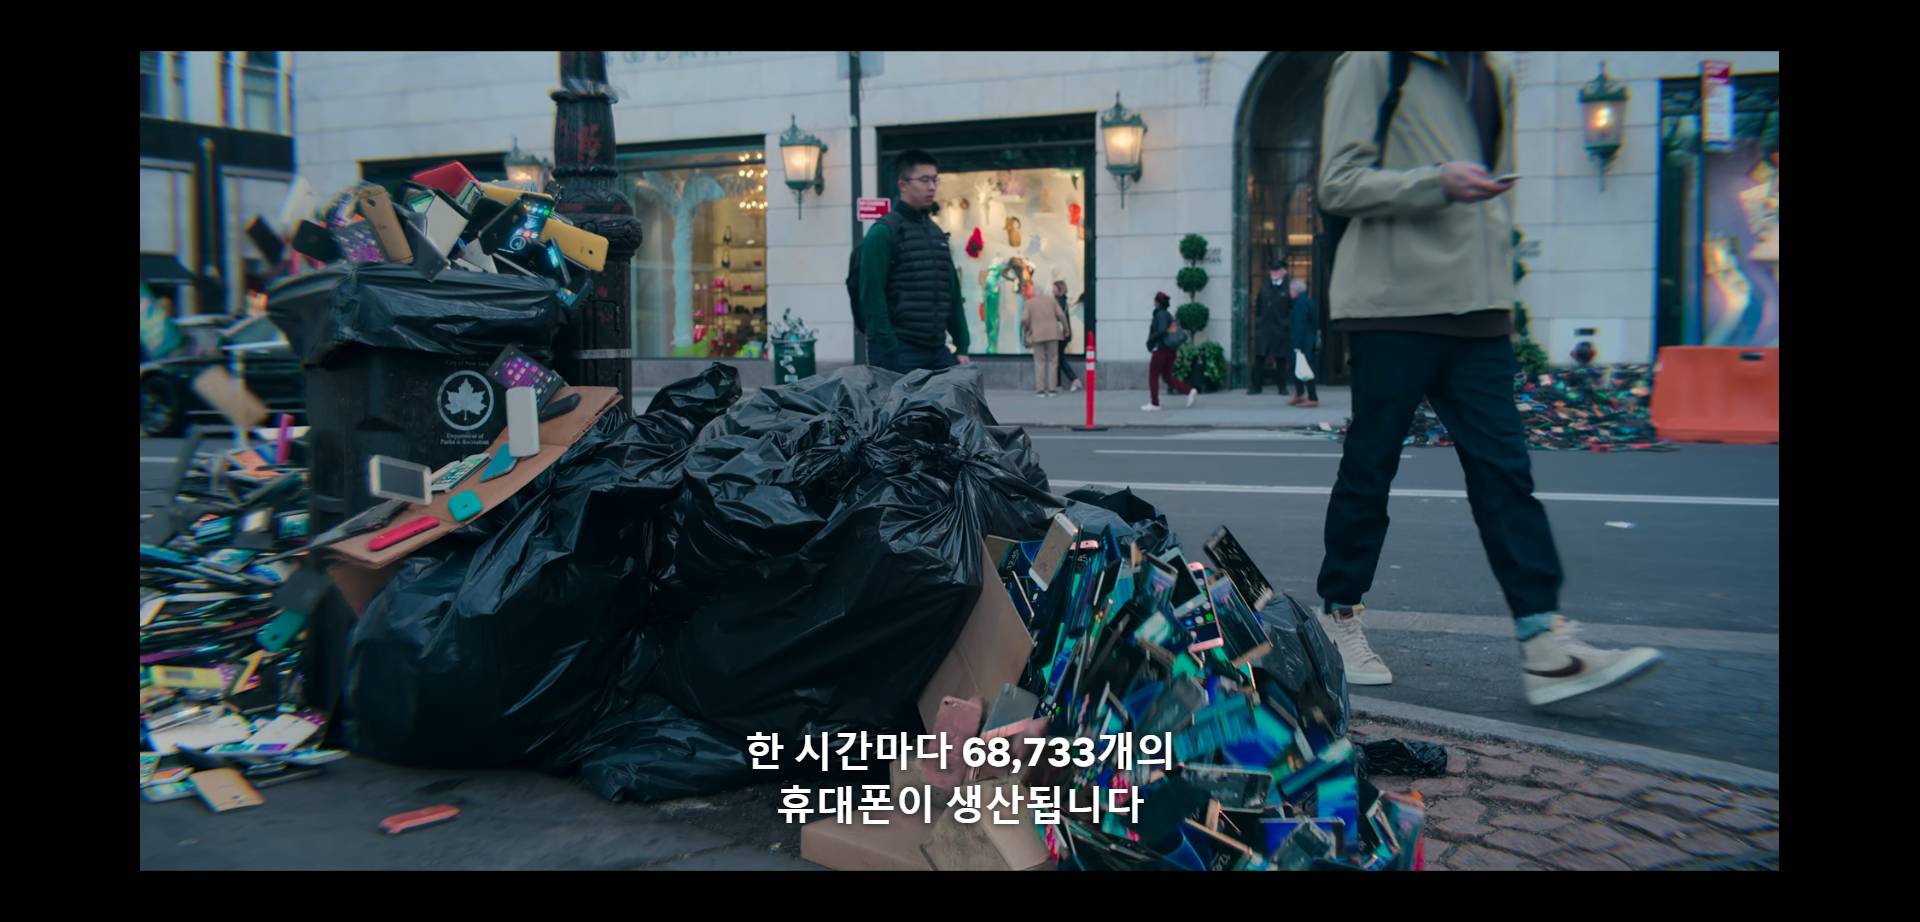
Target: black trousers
[[1281, 372], [1469, 382]]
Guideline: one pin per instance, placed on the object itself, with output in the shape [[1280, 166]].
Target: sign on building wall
[[873, 209], [1716, 102]]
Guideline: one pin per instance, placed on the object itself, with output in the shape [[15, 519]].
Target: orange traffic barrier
[[1717, 394]]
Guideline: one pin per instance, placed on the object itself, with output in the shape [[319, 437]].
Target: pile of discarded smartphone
[[440, 219], [1127, 642], [222, 611]]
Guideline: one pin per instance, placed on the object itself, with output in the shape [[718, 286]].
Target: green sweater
[[876, 261]]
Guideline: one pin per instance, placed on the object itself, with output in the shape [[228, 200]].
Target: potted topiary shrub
[[1212, 361], [1193, 315]]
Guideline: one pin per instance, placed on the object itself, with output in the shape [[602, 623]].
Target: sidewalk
[[1506, 806], [1231, 409]]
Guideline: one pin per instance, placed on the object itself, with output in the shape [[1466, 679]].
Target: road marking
[[1621, 634], [1224, 454], [1428, 494], [1218, 436]]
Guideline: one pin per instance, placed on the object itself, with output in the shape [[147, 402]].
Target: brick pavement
[[1505, 806]]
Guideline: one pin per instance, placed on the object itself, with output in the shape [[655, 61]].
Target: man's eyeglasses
[[926, 180]]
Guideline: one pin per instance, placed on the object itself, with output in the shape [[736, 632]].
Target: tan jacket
[[1045, 322], [1408, 251]]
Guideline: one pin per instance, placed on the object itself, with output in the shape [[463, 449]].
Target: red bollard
[[1090, 427]]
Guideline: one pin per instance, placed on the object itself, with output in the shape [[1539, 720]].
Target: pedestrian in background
[[1270, 353], [1068, 375], [1304, 327], [1044, 327], [1164, 339]]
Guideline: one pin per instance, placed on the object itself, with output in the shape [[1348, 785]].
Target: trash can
[[397, 365], [792, 360]]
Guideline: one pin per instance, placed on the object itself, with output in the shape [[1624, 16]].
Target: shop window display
[[1013, 233], [699, 279]]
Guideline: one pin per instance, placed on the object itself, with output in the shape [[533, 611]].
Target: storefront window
[[1720, 219], [1032, 227], [699, 279]]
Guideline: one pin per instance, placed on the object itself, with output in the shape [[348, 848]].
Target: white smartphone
[[523, 422], [1509, 177], [392, 478]]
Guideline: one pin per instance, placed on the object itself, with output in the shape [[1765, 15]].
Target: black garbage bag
[[1150, 529], [507, 641], [1304, 664], [1414, 758], [390, 306], [829, 545], [652, 751]]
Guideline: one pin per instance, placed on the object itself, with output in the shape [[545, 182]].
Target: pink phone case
[[959, 719]]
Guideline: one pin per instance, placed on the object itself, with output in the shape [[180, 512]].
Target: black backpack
[[1399, 63], [892, 220]]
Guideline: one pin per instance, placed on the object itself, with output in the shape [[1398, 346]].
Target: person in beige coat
[[1045, 326]]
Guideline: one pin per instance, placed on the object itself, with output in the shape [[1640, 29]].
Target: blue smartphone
[[501, 464]]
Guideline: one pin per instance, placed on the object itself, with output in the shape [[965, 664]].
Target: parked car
[[269, 368]]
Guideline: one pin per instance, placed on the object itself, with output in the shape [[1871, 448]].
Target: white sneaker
[[1364, 667], [1150, 407], [1559, 666], [1192, 396]]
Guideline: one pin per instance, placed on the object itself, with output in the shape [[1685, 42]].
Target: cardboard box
[[858, 847], [991, 651], [361, 573], [985, 845]]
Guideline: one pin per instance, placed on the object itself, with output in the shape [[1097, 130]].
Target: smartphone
[[513, 368], [316, 242], [1238, 789], [450, 476], [1186, 592], [414, 819], [523, 422], [1245, 638], [1301, 840], [1507, 177], [517, 229], [502, 463], [1053, 551], [1175, 708], [415, 528], [369, 519], [1204, 626], [392, 478], [1234, 561]]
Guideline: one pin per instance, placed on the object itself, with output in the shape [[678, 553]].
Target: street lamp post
[[800, 155], [1125, 131], [593, 348], [1604, 105]]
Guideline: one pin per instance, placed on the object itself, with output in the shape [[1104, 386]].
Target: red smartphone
[[393, 536], [414, 819]]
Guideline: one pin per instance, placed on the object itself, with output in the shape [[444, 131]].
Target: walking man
[[1413, 143], [909, 287]]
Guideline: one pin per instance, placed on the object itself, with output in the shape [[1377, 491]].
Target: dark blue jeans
[[1469, 382], [903, 357]]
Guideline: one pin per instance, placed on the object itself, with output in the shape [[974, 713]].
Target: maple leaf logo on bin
[[467, 402]]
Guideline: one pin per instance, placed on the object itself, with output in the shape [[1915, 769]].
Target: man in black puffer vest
[[909, 287]]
